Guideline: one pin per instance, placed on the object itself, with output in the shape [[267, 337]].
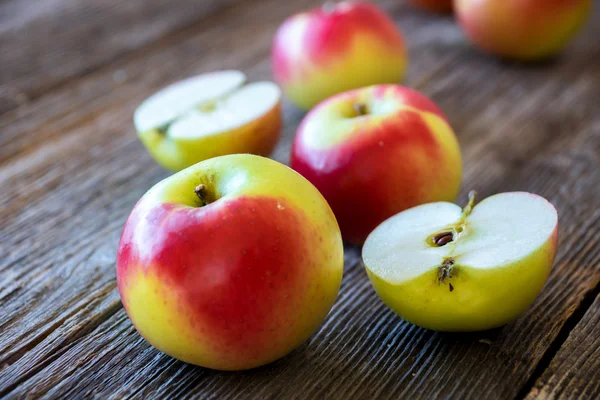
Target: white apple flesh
[[448, 269], [207, 116]]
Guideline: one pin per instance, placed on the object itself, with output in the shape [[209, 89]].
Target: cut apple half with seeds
[[452, 269], [207, 116]]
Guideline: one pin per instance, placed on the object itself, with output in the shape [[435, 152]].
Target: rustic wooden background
[[71, 169]]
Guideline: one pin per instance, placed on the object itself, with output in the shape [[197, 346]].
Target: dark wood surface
[[71, 169]]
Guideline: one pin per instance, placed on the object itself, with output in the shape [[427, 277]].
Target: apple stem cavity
[[360, 109], [200, 192]]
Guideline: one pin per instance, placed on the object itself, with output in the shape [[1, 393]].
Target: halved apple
[[209, 115], [448, 269]]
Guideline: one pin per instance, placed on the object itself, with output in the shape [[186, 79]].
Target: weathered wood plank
[[213, 45], [45, 43], [73, 183], [574, 372], [36, 270]]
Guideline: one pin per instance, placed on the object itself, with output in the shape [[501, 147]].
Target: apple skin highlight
[[525, 30], [372, 167], [322, 52], [239, 282]]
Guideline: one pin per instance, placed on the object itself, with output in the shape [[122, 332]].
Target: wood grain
[[75, 169], [574, 371], [47, 42]]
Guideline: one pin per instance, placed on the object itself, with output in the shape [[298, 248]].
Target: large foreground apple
[[522, 29], [376, 151], [335, 48], [207, 116], [450, 270], [230, 264]]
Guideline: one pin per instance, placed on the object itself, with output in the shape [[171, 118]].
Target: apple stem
[[469, 207], [361, 109], [199, 190]]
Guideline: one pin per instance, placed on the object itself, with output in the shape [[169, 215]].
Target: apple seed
[[443, 238]]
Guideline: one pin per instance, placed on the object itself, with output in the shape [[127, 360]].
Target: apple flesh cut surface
[[230, 264], [448, 269], [209, 115]]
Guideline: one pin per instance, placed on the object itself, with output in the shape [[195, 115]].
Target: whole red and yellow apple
[[440, 6], [336, 48], [231, 263], [376, 151], [522, 29]]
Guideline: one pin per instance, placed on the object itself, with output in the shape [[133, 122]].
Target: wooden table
[[72, 73]]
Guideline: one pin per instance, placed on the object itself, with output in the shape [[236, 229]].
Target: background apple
[[207, 116], [376, 151], [336, 48], [231, 263], [446, 269], [442, 6], [522, 29]]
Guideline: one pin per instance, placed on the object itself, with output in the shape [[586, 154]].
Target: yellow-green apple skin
[[336, 48], [525, 30], [256, 137], [240, 281], [401, 153], [439, 6], [472, 299]]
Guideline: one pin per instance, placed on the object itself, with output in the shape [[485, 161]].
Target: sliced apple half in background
[[448, 269], [209, 115]]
